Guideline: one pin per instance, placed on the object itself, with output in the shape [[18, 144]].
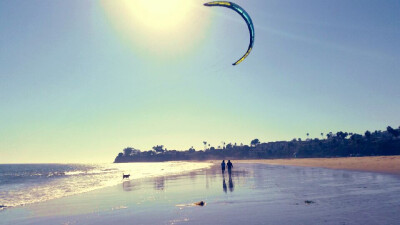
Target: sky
[[81, 80]]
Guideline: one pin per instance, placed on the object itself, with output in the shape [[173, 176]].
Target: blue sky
[[80, 80]]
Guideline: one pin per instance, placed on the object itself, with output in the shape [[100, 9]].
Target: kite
[[245, 16]]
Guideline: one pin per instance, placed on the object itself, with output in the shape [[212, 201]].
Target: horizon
[[79, 82], [306, 138]]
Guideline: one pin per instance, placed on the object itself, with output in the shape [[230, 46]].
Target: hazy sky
[[81, 80]]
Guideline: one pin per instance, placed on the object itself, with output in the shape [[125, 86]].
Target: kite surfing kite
[[245, 16]]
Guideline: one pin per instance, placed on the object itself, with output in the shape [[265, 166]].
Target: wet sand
[[253, 194], [381, 164]]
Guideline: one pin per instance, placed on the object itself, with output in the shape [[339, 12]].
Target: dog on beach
[[201, 203], [125, 176]]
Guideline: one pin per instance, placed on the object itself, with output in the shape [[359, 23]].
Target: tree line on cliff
[[339, 144]]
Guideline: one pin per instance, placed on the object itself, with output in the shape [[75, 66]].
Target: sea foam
[[31, 183]]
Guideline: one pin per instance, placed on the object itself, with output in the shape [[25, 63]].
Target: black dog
[[125, 176]]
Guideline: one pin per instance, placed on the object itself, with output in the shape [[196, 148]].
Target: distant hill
[[341, 144]]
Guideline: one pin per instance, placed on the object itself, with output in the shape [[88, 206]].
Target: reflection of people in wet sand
[[231, 186], [224, 185], [223, 166], [230, 165]]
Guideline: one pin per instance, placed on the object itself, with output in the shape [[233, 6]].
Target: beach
[[255, 193], [380, 164]]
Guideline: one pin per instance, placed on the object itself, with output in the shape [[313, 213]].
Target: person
[[223, 166], [230, 165]]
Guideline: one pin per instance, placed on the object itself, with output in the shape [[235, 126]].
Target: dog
[[125, 176], [201, 203]]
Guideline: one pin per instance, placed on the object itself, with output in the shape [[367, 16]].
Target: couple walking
[[229, 165]]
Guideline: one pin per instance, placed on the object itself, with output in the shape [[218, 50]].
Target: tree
[[159, 148], [128, 151], [392, 131], [389, 129], [255, 142], [322, 135], [342, 134], [356, 137], [367, 134], [205, 145]]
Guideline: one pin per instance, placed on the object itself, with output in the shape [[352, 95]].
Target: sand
[[255, 194], [380, 164]]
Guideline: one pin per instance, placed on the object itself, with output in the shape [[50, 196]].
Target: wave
[[27, 184]]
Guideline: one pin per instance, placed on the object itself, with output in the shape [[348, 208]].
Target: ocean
[[22, 184]]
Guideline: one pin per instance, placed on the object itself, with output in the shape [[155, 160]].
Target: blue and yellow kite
[[245, 16]]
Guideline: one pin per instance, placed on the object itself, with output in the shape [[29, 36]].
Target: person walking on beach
[[223, 166], [230, 165]]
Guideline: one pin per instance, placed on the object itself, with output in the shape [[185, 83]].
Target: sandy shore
[[254, 194], [381, 164]]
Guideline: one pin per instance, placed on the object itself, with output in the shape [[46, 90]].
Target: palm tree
[[205, 145]]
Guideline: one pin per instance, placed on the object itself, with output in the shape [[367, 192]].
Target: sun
[[161, 27], [161, 15]]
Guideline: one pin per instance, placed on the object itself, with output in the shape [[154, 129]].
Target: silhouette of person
[[230, 165], [223, 166]]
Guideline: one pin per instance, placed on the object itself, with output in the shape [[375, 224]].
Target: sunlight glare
[[161, 14], [158, 27]]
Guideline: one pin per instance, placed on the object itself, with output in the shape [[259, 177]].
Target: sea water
[[22, 184]]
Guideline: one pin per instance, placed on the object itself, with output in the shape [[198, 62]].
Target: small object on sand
[[308, 202], [201, 203]]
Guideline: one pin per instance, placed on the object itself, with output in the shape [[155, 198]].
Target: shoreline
[[112, 183], [377, 164], [302, 195]]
